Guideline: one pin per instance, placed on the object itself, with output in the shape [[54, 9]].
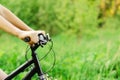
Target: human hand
[[32, 36]]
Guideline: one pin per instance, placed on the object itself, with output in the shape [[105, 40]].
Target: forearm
[[14, 19], [8, 27]]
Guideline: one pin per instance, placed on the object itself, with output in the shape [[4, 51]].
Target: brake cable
[[51, 49]]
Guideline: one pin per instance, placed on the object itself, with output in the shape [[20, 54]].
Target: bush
[[56, 16]]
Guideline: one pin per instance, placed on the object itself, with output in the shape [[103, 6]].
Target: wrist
[[19, 33]]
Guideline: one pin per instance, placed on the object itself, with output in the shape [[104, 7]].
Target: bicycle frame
[[37, 69]]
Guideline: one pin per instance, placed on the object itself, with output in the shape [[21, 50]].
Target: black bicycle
[[43, 39]]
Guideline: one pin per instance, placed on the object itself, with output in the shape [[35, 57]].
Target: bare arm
[[8, 15], [8, 27], [13, 25]]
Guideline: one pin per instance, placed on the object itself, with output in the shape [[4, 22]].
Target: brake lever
[[43, 39]]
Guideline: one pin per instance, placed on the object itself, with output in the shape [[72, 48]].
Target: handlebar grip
[[27, 39]]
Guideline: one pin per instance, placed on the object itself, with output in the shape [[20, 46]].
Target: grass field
[[92, 56]]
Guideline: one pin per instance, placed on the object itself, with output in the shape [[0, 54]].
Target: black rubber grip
[[27, 39]]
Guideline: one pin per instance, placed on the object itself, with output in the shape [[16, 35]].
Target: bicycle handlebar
[[43, 39]]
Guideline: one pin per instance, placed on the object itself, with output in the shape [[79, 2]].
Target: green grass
[[92, 56]]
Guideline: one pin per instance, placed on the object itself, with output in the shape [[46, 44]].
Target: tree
[[107, 8]]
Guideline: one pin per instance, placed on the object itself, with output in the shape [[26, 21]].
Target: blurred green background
[[86, 36]]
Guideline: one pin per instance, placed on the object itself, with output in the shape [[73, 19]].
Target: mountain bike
[[43, 39]]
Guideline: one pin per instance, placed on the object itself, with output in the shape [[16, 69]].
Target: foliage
[[94, 55], [74, 16], [56, 16]]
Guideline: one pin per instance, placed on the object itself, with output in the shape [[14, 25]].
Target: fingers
[[31, 37], [41, 32]]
